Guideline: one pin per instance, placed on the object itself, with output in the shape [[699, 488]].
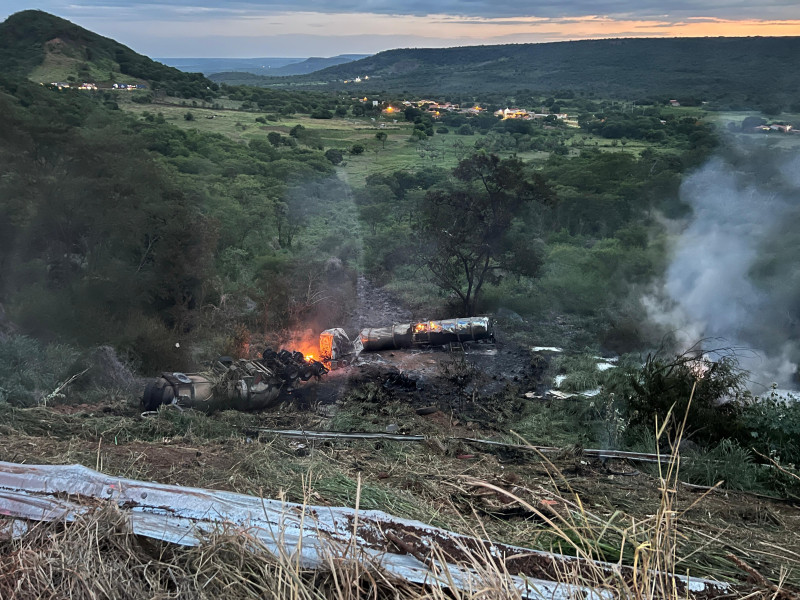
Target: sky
[[301, 28]]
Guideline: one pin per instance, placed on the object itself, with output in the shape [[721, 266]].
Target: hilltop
[[740, 72], [45, 48], [316, 63]]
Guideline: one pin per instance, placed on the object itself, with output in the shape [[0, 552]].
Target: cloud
[[252, 28], [625, 9]]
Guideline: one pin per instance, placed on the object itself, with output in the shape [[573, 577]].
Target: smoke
[[734, 274]]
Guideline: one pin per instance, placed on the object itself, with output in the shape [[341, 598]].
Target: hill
[[742, 72], [45, 48], [315, 63], [260, 66]]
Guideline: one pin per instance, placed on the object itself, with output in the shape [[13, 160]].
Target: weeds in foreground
[[643, 556]]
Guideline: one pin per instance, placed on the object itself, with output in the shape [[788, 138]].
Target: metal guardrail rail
[[183, 515]]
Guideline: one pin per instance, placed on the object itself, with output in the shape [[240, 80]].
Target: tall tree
[[465, 229]]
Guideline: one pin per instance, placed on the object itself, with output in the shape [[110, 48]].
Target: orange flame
[[309, 357]]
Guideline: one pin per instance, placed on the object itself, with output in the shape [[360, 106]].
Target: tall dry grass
[[99, 557]]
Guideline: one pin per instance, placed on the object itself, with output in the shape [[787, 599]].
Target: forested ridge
[[732, 73]]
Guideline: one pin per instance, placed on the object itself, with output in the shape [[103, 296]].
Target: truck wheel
[[151, 398]]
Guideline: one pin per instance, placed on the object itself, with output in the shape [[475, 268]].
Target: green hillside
[[736, 72], [45, 48]]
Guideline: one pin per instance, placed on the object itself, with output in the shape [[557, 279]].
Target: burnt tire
[[151, 398]]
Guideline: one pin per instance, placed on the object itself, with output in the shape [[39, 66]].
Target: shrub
[[334, 155], [30, 371], [689, 384]]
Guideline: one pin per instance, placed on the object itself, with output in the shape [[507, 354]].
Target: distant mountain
[[209, 66], [45, 48], [259, 66], [745, 70], [313, 64]]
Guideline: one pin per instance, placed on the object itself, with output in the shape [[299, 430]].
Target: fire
[[419, 327], [309, 357]]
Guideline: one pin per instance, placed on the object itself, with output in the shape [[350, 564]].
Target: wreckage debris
[[428, 333], [234, 384], [401, 547]]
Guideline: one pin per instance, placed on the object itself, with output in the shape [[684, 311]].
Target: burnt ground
[[425, 376]]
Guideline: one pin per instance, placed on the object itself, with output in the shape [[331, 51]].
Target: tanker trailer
[[428, 333], [245, 385]]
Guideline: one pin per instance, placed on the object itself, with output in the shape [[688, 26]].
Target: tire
[[151, 398]]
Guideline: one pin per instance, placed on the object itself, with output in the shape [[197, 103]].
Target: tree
[[357, 149], [464, 229], [381, 137]]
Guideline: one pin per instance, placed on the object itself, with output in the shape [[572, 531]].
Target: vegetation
[[79, 217], [33, 39], [729, 73], [174, 226]]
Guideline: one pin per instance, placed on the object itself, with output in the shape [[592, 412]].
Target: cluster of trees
[[577, 235], [133, 232], [285, 102]]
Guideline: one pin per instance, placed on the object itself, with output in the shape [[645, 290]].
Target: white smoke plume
[[734, 275]]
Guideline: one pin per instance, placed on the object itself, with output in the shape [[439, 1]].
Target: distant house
[[513, 113], [674, 103]]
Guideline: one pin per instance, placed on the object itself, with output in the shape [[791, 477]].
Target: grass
[[99, 556], [480, 491]]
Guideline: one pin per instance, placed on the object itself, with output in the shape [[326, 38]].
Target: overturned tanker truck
[[258, 384], [234, 384], [428, 333], [337, 350]]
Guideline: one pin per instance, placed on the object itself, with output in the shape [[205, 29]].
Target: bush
[[465, 130], [442, 129], [334, 155], [189, 116], [665, 386], [30, 371], [772, 427], [357, 149], [142, 98]]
